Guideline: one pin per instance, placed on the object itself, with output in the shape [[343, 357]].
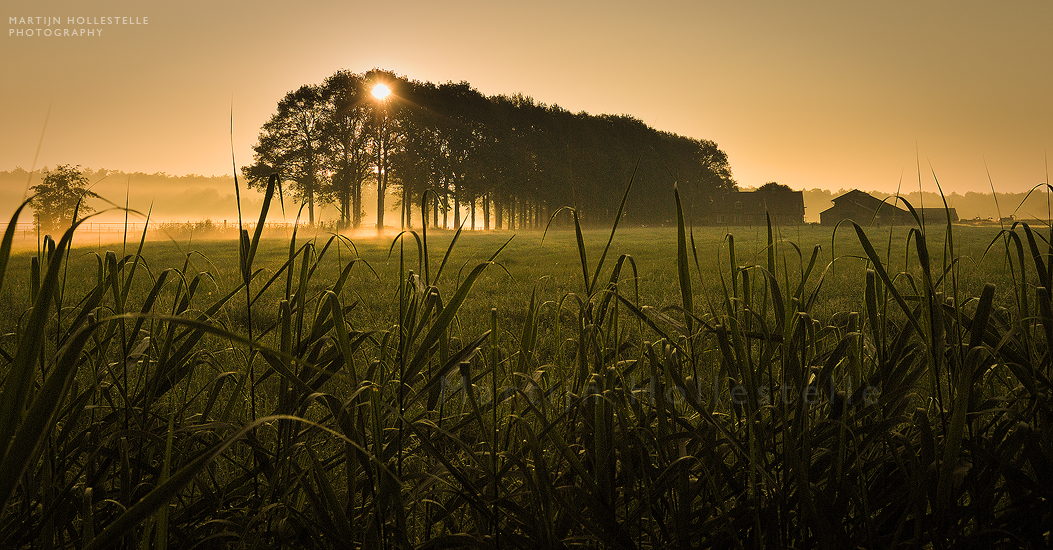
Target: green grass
[[630, 388], [533, 260]]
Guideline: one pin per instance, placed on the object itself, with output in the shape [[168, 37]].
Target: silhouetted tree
[[385, 131], [414, 164], [60, 197], [293, 144], [347, 117], [460, 135], [516, 158]]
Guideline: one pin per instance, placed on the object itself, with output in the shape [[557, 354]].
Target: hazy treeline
[[194, 198], [508, 159], [188, 197]]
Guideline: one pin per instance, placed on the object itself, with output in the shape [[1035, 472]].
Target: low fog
[[196, 199], [168, 198]]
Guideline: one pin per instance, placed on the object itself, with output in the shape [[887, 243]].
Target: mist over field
[[172, 198], [195, 198]]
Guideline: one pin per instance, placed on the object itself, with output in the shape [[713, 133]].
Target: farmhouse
[[865, 209], [784, 205]]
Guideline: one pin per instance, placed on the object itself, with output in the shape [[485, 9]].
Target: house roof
[[856, 199], [868, 201]]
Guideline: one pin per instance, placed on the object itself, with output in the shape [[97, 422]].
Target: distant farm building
[[784, 205], [865, 209]]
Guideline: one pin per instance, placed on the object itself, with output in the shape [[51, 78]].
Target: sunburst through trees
[[506, 161]]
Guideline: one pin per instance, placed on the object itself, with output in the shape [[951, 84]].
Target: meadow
[[621, 388], [547, 263]]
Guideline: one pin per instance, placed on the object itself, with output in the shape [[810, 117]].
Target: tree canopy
[[775, 188], [513, 158]]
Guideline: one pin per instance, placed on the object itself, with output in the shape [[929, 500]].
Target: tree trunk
[[382, 174], [380, 202], [310, 199], [486, 212], [345, 200], [446, 211], [456, 205], [356, 200], [406, 212]]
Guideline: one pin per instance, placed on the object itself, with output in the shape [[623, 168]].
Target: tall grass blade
[[168, 489], [683, 267], [31, 431], [614, 228], [9, 237], [22, 372]]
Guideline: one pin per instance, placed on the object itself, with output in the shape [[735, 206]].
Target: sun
[[381, 91]]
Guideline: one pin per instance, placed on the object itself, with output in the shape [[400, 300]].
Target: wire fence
[[87, 232], [29, 228]]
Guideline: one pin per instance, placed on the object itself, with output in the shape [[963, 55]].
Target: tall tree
[[347, 129], [293, 144], [385, 88], [456, 128], [414, 162]]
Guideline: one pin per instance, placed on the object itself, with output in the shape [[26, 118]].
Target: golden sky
[[810, 93]]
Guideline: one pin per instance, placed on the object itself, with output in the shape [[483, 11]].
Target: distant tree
[[293, 144], [774, 188], [60, 197]]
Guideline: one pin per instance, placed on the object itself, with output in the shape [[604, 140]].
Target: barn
[[784, 205], [865, 209]]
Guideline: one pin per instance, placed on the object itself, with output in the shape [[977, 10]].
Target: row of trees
[[505, 159]]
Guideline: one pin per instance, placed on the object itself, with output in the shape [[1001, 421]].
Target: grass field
[[549, 263], [674, 388]]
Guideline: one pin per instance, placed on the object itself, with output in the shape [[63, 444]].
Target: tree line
[[506, 161]]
